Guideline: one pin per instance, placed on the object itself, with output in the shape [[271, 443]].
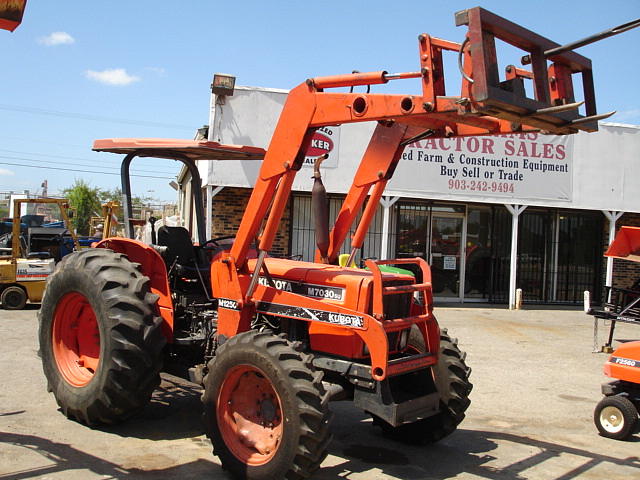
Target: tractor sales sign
[[524, 165]]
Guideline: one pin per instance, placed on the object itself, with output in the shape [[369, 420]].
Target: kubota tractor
[[274, 340]]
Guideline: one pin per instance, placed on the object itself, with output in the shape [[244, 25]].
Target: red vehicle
[[616, 416], [272, 340]]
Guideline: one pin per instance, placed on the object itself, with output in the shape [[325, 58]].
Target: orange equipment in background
[[11, 12]]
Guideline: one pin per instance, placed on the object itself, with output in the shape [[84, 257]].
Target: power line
[[68, 157], [94, 118], [83, 171], [71, 163]]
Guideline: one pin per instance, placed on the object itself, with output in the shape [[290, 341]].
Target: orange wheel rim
[[249, 414], [76, 339]]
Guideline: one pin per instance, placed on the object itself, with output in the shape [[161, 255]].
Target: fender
[[152, 265]]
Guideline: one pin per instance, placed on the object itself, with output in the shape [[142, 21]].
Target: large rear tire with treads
[[100, 337]]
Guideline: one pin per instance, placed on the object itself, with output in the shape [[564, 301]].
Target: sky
[[79, 70]]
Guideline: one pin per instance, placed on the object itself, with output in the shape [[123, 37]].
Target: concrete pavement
[[536, 384]]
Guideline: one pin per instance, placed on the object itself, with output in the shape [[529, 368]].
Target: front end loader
[[274, 340]]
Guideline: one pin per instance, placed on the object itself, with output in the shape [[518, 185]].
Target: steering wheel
[[212, 244]]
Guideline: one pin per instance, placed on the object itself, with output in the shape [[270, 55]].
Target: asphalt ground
[[536, 383]]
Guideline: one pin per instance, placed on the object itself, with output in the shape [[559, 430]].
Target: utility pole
[[44, 189]]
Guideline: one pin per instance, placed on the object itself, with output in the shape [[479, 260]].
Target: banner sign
[[526, 165], [325, 140]]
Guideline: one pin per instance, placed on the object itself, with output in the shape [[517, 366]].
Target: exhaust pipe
[[319, 205]]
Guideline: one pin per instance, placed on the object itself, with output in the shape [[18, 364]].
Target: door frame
[[462, 251]]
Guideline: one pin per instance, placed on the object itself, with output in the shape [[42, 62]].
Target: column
[[613, 216], [515, 211], [387, 203]]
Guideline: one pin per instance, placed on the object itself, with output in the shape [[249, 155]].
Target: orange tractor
[[616, 415], [274, 340]]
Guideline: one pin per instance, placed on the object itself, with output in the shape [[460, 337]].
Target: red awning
[[626, 245], [170, 148]]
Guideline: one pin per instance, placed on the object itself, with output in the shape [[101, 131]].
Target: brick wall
[[229, 206], [625, 272]]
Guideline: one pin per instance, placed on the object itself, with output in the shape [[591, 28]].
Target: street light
[[223, 84]]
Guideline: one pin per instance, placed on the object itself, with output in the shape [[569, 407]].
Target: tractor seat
[[181, 253]]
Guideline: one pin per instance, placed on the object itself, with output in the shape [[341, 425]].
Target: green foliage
[[86, 202], [115, 195]]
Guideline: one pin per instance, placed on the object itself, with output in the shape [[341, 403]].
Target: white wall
[[603, 167]]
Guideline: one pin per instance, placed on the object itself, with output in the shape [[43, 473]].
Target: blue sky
[[75, 71]]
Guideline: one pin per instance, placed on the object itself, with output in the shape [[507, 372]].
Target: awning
[[626, 245], [172, 148]]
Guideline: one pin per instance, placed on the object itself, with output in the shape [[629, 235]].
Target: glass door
[[446, 254]]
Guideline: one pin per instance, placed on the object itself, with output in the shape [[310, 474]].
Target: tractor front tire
[[100, 337], [265, 408], [451, 377], [616, 417]]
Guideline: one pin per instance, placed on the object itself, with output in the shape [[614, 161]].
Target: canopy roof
[[172, 148], [626, 245]]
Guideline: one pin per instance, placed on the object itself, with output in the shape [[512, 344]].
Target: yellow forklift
[[29, 253]]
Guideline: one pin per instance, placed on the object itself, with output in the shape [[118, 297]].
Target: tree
[[86, 202]]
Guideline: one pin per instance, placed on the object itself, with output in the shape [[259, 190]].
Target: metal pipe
[[125, 179], [256, 274], [401, 75], [557, 108], [526, 60], [592, 118]]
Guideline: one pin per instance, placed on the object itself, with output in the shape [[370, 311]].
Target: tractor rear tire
[[13, 298], [451, 376], [265, 408], [616, 417], [100, 337]]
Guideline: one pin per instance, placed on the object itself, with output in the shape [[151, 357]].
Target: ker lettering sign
[[325, 140], [527, 166]]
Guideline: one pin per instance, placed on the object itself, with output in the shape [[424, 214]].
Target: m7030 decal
[[344, 319], [306, 289]]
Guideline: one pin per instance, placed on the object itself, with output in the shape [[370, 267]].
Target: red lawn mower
[[616, 415]]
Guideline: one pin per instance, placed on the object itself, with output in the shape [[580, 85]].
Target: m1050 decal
[[343, 319], [306, 289]]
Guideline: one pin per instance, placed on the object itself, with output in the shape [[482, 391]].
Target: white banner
[[527, 165]]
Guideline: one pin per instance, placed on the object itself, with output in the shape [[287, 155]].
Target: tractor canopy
[[175, 148], [626, 245]]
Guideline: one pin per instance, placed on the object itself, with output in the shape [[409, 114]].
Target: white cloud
[[161, 72], [112, 76], [4, 171], [56, 38]]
